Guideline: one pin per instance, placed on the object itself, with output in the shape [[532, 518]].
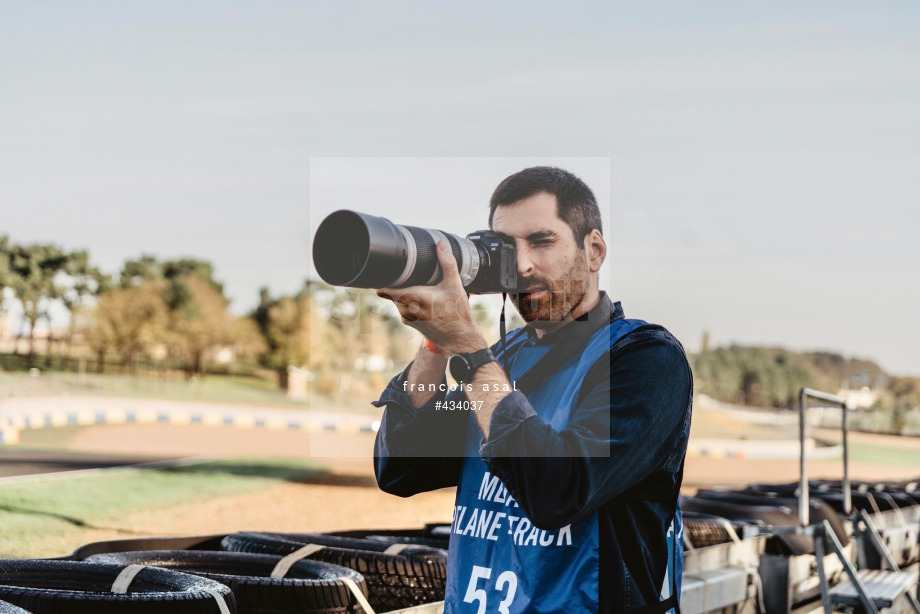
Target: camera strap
[[576, 335], [501, 323]]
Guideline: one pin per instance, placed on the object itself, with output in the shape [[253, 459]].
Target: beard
[[554, 299]]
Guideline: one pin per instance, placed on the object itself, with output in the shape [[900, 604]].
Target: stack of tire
[[740, 508], [71, 587], [399, 573], [357, 572], [9, 608], [703, 530]]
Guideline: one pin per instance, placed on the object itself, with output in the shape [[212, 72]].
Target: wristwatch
[[464, 366]]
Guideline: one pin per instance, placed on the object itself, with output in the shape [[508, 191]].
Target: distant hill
[[846, 372], [771, 376]]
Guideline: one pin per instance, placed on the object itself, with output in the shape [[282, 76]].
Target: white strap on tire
[[732, 534], [127, 575], [362, 601], [396, 548], [221, 602], [284, 565], [124, 579]]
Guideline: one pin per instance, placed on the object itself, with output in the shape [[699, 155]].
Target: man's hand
[[441, 312]]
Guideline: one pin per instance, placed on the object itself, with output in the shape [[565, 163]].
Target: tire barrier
[[895, 507], [704, 530], [385, 546], [433, 535], [414, 576], [308, 587], [69, 587], [787, 566], [9, 608], [198, 542], [743, 508], [742, 552]]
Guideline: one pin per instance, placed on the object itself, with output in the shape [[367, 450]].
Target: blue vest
[[498, 561]]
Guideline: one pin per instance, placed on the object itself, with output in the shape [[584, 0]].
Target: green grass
[[868, 453], [224, 389], [214, 388], [35, 513]]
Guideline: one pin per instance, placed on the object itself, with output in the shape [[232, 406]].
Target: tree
[[84, 281], [906, 391], [142, 270], [327, 330], [4, 265], [288, 331], [286, 324], [130, 321], [901, 397], [199, 322], [5, 273], [189, 267], [752, 375], [32, 274], [147, 268]]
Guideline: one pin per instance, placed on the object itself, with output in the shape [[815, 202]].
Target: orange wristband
[[431, 347]]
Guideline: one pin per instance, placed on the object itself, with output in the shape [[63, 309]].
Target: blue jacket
[[597, 474]]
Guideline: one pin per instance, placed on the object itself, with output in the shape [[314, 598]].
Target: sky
[[758, 163]]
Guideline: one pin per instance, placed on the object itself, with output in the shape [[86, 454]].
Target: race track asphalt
[[20, 462]]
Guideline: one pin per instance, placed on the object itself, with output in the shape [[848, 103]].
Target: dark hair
[[576, 206]]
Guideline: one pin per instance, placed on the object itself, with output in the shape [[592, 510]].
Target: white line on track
[[82, 473]]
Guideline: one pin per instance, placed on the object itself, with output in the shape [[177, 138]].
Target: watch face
[[459, 367]]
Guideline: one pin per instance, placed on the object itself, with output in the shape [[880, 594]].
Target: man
[[566, 497]]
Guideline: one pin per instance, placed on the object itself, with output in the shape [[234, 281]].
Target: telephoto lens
[[365, 251]]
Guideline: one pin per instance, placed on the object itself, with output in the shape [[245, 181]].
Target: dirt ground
[[350, 455], [347, 497], [342, 503]]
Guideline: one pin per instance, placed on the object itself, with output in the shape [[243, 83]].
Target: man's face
[[553, 274]]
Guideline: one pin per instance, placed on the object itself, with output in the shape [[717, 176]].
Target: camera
[[365, 251]]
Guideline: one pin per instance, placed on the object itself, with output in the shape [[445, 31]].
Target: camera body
[[501, 275], [358, 250]]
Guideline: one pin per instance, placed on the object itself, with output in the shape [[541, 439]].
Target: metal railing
[[804, 395]]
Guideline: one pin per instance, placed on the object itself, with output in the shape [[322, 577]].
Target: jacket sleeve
[[624, 429], [417, 449]]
